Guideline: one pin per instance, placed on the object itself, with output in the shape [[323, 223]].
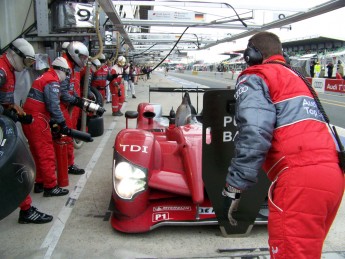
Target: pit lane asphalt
[[81, 227]]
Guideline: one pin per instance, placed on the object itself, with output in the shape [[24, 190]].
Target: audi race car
[[157, 171]]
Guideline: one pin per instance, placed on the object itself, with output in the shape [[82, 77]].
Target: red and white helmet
[[78, 52], [121, 61], [22, 55]]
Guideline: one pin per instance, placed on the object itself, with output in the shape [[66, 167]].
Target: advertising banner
[[334, 85]]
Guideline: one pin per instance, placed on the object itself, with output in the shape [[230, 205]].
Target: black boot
[[56, 191], [73, 169], [38, 187], [118, 113], [32, 215]]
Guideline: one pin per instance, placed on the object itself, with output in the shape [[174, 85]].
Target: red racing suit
[[117, 86], [99, 79], [43, 103], [7, 85], [282, 131]]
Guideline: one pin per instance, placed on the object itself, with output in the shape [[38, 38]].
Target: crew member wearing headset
[[282, 130]]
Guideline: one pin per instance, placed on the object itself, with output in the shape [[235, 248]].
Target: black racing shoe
[[133, 96], [38, 187], [56, 191], [73, 169], [118, 113], [32, 215]]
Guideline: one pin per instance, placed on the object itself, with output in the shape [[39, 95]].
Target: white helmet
[[78, 52], [121, 61], [64, 46], [23, 54], [61, 67], [102, 58], [96, 63]]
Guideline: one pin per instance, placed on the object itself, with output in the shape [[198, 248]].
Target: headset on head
[[253, 56]]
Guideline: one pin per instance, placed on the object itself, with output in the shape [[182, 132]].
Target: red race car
[[157, 171]]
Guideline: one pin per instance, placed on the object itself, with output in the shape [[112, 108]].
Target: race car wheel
[[96, 96], [17, 167]]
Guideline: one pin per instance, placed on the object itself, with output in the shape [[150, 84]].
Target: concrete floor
[[81, 227]]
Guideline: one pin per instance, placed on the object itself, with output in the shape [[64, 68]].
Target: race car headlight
[[128, 180]]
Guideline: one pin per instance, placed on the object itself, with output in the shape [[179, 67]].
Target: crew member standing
[[20, 55], [43, 103], [77, 55], [131, 78], [279, 122], [117, 88], [99, 79]]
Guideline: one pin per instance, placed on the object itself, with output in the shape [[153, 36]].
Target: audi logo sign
[[318, 84]]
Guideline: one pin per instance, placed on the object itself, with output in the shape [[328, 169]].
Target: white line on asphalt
[[55, 231]]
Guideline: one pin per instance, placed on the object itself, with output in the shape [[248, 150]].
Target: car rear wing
[[182, 90]]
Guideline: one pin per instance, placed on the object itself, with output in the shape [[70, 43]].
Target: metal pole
[[85, 94]]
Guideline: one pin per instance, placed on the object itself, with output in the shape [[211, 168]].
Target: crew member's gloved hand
[[11, 113], [25, 119], [111, 77], [55, 130], [64, 129], [19, 110], [100, 111], [79, 102], [15, 116], [231, 199]]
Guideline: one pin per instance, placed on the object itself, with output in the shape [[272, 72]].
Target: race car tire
[[95, 126], [96, 96], [17, 167]]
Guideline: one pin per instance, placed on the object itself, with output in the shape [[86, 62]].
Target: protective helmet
[[78, 52], [24, 54], [96, 63], [61, 67], [101, 58], [64, 46], [121, 61], [61, 64]]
